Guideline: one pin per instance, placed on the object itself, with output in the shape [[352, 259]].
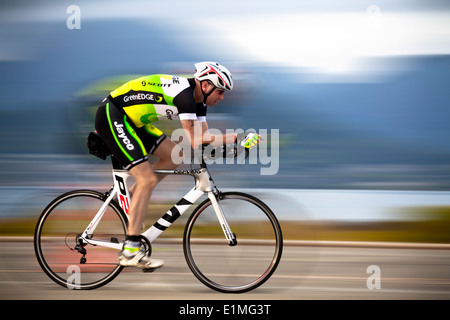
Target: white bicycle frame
[[120, 191]]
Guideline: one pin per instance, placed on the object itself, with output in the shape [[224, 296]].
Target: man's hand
[[249, 140]]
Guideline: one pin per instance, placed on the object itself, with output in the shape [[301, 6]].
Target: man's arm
[[198, 134], [193, 132], [217, 140]]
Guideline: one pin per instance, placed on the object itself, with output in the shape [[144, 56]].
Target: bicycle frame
[[203, 184]]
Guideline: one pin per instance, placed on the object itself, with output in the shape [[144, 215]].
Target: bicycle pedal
[[148, 270]]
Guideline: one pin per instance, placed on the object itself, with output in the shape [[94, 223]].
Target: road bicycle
[[232, 241]]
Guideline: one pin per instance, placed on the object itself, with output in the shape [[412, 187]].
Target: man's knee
[[147, 182], [144, 176]]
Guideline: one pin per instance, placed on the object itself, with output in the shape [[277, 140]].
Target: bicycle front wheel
[[68, 260], [239, 268]]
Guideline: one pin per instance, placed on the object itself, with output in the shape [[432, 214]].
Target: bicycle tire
[[236, 264], [51, 251]]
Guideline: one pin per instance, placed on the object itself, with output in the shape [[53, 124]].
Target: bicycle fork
[[229, 235], [214, 195]]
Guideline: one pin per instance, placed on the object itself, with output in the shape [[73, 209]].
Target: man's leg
[[146, 181], [132, 254], [164, 153]]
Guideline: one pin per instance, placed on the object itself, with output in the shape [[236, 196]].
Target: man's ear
[[204, 85]]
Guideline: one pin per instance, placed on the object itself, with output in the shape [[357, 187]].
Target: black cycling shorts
[[129, 144]]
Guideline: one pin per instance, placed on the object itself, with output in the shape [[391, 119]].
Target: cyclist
[[124, 121]]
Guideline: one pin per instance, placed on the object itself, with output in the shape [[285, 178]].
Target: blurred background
[[359, 91]]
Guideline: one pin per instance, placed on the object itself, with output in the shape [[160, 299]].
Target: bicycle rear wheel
[[239, 268], [64, 257]]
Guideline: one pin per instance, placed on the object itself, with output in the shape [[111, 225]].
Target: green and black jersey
[[156, 97], [125, 118]]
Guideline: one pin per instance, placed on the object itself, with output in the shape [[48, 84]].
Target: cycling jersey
[[156, 97], [124, 119]]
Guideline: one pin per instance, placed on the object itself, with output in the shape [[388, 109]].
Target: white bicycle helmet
[[217, 74]]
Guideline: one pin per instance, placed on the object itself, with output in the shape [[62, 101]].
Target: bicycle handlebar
[[226, 151]]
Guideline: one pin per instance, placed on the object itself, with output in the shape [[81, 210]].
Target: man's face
[[215, 96]]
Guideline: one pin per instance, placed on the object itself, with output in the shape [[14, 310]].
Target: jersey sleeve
[[188, 109], [185, 103], [201, 112]]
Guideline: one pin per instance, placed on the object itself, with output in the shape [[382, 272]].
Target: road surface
[[344, 271]]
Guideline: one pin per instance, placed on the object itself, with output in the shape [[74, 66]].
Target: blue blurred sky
[[358, 89]]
